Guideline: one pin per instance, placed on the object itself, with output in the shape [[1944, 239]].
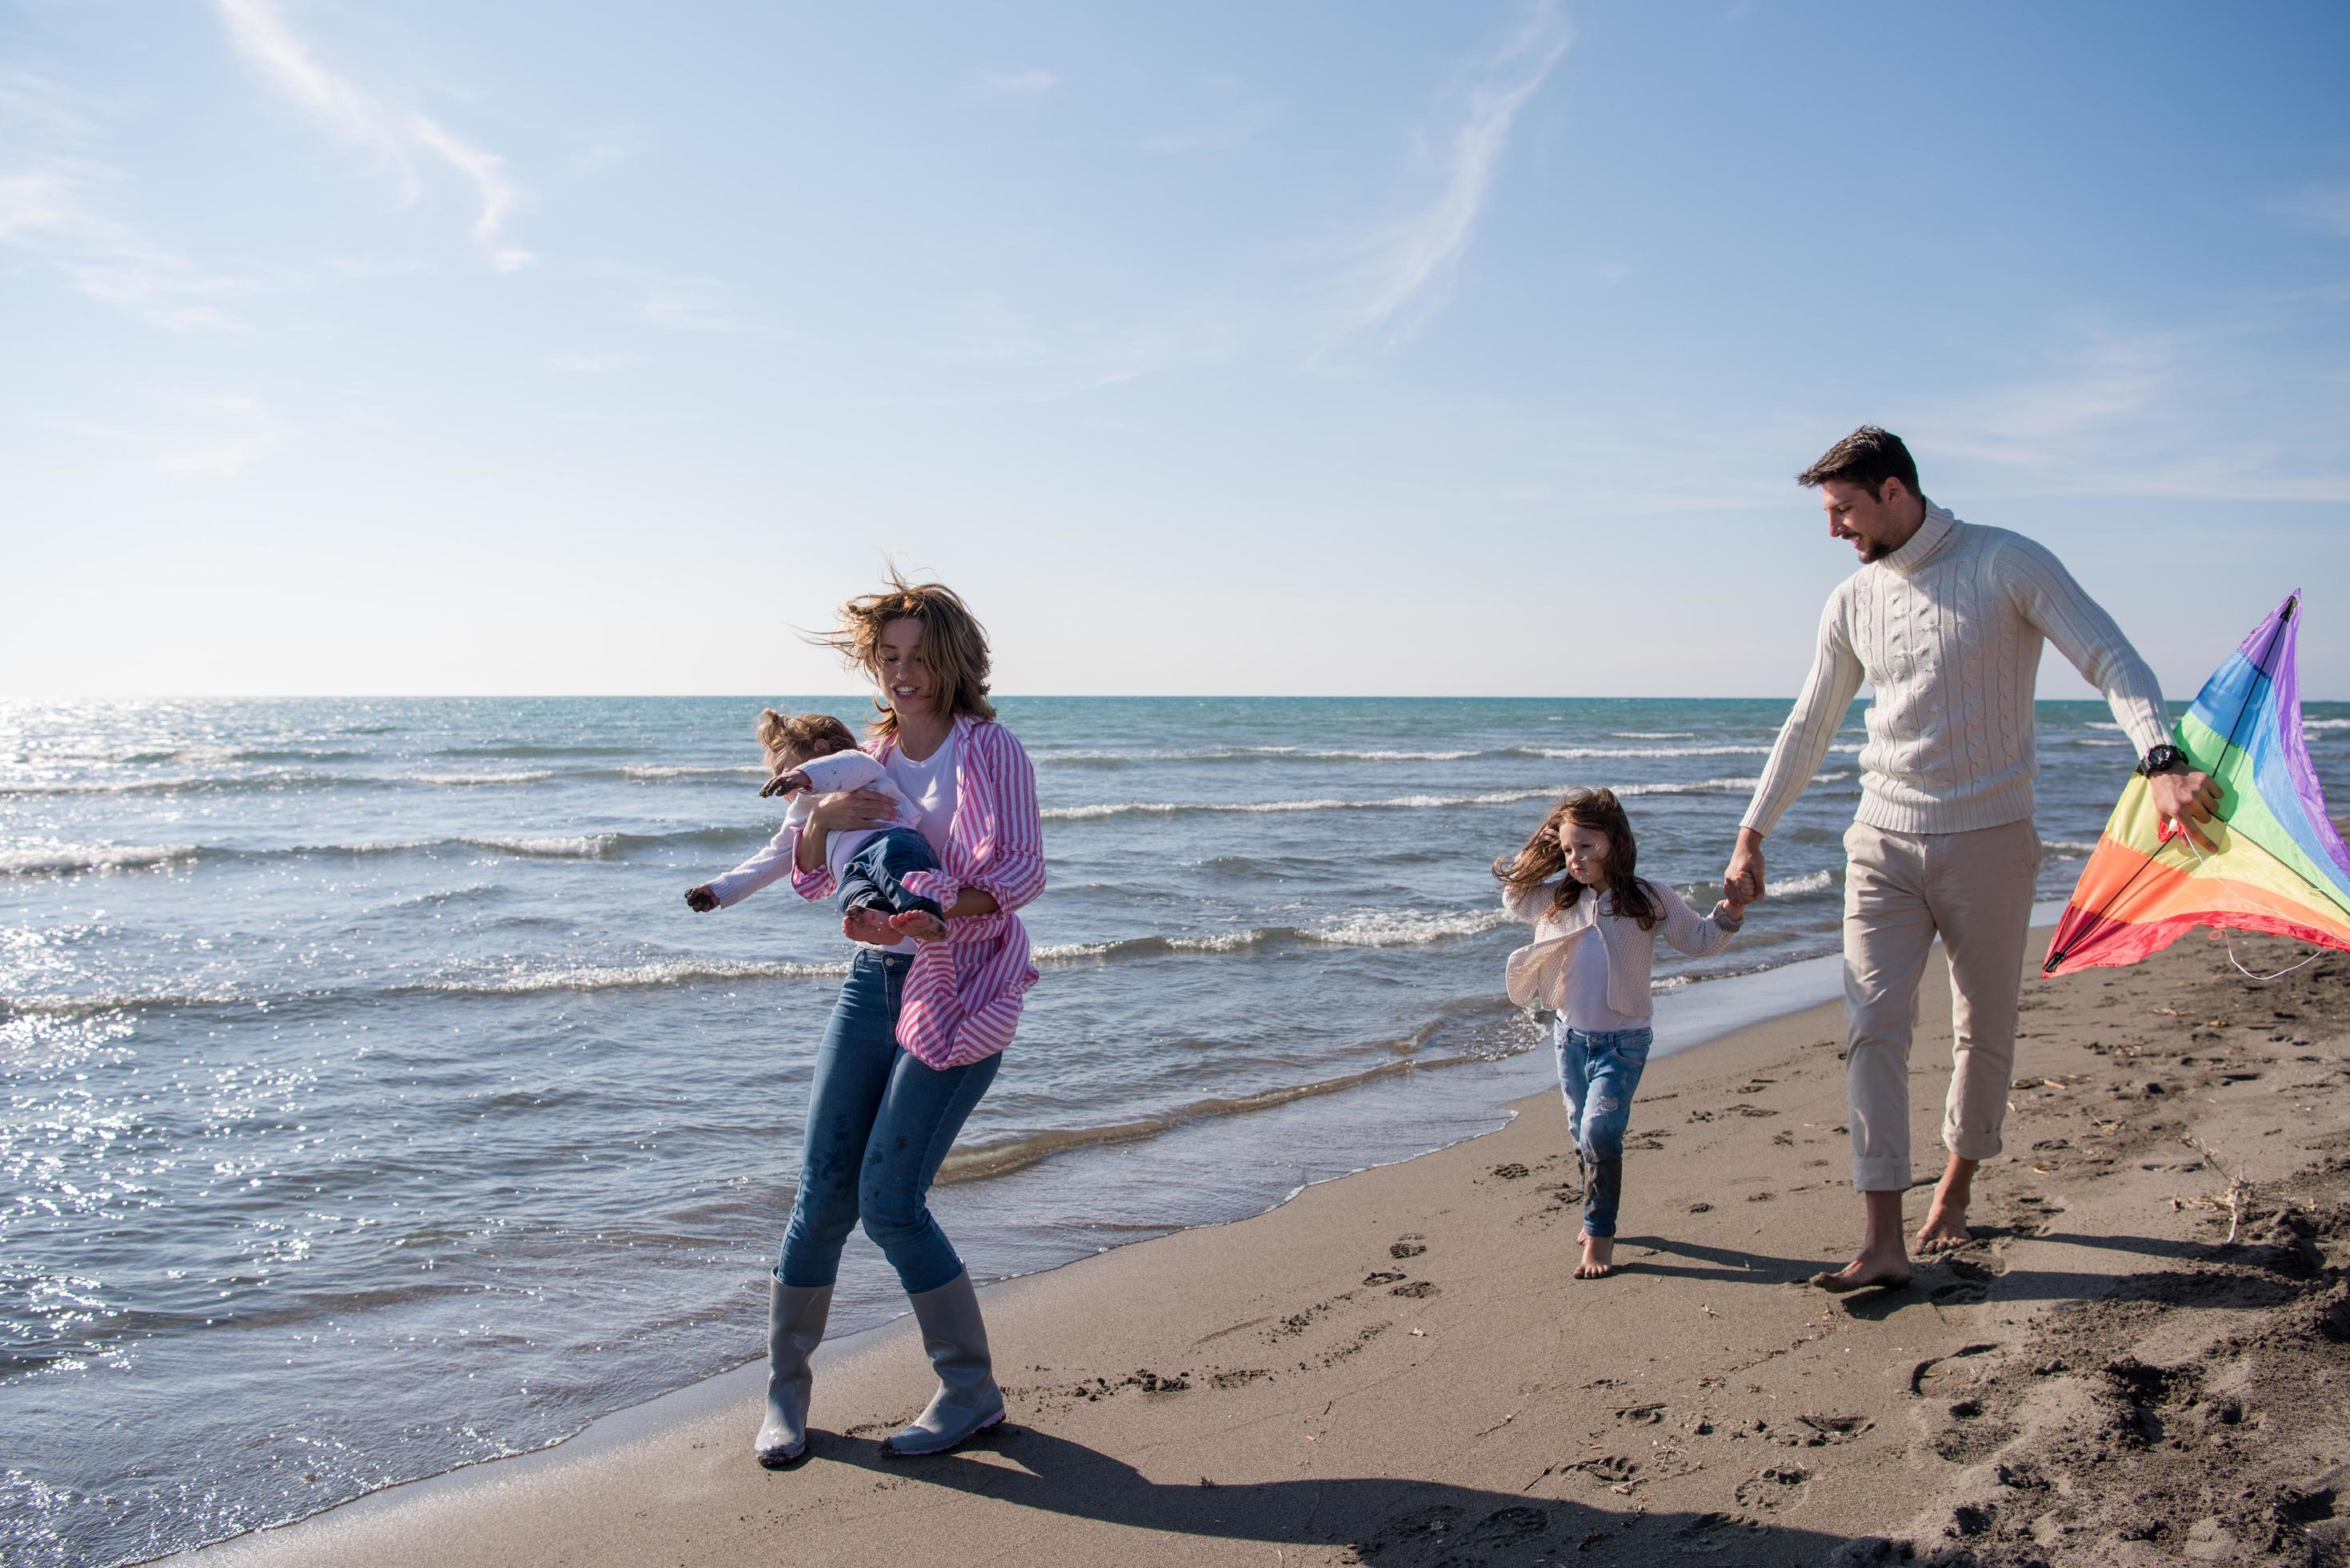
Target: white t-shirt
[[1583, 1003], [930, 786]]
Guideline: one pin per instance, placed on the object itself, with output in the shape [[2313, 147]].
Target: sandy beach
[[1395, 1368]]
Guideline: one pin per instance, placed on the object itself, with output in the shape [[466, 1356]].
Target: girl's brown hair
[[1544, 859], [805, 736], [954, 645]]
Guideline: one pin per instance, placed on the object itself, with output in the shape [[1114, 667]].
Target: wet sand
[[1395, 1367]]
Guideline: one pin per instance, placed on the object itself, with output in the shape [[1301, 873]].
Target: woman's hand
[[842, 811], [847, 811]]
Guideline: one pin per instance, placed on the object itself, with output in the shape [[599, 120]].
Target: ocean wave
[[36, 859], [529, 979], [1088, 757], [1356, 928], [178, 784], [525, 776], [2325, 723], [574, 847], [2067, 846], [661, 772], [1818, 881], [1595, 754], [1004, 1156], [1652, 734], [1393, 802], [71, 1005]]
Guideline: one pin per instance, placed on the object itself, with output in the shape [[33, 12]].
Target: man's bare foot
[[1946, 1220], [921, 925], [1863, 1273], [866, 924], [1944, 1230], [1598, 1257]]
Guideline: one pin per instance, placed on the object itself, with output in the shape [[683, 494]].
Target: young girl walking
[[1595, 929]]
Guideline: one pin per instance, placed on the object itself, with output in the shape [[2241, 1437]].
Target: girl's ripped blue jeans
[[1598, 1075]]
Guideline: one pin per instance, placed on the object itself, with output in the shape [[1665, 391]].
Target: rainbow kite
[[2271, 862]]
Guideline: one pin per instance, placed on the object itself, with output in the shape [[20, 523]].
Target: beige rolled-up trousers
[[1902, 889]]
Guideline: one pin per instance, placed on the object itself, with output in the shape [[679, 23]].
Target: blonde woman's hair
[[954, 645]]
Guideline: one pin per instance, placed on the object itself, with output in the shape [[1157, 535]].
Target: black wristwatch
[[2163, 759]]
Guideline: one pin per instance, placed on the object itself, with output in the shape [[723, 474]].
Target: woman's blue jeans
[[879, 1124], [1598, 1075]]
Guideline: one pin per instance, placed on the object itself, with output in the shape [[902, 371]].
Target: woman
[[914, 1040]]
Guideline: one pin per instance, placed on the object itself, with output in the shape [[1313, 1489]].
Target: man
[[1945, 620]]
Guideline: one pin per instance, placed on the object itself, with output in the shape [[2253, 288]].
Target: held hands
[[700, 901], [1742, 882]]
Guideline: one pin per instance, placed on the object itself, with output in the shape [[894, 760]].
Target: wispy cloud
[[2178, 414], [1009, 85], [1407, 268], [57, 205], [215, 436], [1227, 125], [394, 136], [582, 364], [2327, 205]]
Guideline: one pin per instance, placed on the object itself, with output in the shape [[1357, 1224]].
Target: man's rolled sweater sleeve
[[2036, 583], [1810, 730]]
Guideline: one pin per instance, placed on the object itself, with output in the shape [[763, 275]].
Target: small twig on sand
[[2240, 1191]]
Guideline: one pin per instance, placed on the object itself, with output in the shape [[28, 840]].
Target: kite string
[[2187, 834]]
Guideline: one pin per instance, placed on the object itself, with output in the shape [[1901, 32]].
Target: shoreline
[[1690, 1017], [1392, 1366]]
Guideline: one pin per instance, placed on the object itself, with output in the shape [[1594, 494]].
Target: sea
[[375, 1105]]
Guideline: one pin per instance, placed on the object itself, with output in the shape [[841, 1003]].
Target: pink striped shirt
[[963, 996]]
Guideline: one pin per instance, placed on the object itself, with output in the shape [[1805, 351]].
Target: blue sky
[[1220, 348]]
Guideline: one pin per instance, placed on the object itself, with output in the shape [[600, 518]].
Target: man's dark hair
[[1867, 457]]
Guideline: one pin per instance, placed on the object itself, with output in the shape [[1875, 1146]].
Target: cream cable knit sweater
[[1947, 629]]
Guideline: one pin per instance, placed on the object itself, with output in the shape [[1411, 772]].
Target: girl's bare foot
[[921, 925], [866, 924], [1598, 1257]]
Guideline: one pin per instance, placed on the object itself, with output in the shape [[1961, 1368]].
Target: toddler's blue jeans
[[1598, 1075], [879, 1124], [873, 874]]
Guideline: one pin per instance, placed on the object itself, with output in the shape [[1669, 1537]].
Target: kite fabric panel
[[2271, 862]]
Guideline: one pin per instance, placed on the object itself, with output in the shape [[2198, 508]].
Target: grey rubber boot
[[796, 1316], [968, 1401]]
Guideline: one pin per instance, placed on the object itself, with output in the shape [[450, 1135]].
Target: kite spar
[[2271, 861]]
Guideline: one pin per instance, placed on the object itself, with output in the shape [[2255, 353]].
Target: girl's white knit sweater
[[1537, 971], [1948, 630]]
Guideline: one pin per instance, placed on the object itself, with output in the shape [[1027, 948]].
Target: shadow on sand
[[1365, 1519]]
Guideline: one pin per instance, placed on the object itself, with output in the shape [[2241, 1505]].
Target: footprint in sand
[[1416, 1290], [1641, 1414], [1970, 1283], [1937, 1377], [1778, 1488], [1383, 1277], [1410, 1247], [1508, 1526]]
